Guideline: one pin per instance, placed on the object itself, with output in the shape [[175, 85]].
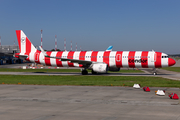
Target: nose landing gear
[[154, 71]]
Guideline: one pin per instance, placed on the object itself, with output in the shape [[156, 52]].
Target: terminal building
[[7, 52]]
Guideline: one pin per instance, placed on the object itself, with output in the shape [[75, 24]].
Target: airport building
[[9, 49], [6, 54]]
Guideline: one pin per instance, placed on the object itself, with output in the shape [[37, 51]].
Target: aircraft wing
[[74, 61], [65, 59]]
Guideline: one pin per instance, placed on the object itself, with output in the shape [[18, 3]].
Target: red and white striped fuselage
[[86, 59], [117, 59]]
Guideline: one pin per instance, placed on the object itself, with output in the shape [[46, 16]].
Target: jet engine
[[100, 68]]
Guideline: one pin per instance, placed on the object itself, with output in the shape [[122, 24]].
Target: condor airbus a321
[[97, 61]]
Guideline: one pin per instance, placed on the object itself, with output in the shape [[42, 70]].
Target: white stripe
[[76, 55], [125, 59], [164, 61], [64, 63], [33, 49], [99, 56], [31, 56], [32, 53], [23, 43], [112, 62], [53, 60], [138, 58], [88, 56], [41, 58], [150, 60]]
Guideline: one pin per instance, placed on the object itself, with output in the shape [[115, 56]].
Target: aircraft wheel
[[84, 72], [154, 73]]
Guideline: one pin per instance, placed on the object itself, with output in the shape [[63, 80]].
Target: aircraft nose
[[171, 62]]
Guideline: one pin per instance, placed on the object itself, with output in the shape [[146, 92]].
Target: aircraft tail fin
[[109, 48], [25, 45]]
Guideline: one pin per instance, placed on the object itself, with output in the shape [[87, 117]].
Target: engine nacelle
[[114, 69], [100, 68]]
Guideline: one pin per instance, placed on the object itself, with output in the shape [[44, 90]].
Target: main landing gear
[[154, 71], [84, 72]]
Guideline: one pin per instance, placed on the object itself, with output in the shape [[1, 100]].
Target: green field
[[88, 80], [175, 69], [57, 70]]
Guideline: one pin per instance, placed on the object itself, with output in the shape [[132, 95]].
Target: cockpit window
[[165, 56]]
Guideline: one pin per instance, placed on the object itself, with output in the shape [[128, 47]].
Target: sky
[[127, 25]]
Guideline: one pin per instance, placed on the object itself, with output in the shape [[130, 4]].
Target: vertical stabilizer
[[25, 45], [109, 48]]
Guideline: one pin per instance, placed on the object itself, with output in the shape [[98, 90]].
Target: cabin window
[[165, 57]]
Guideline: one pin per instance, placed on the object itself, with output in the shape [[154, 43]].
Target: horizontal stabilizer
[[44, 53], [22, 56]]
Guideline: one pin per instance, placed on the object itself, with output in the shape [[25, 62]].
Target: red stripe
[[158, 60], [28, 46], [94, 56], [106, 57], [131, 59], [58, 62], [36, 56], [82, 55], [119, 59], [144, 59], [70, 56], [18, 34], [28, 49], [47, 60]]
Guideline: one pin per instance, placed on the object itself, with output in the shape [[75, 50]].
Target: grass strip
[[88, 80], [174, 69], [37, 70], [58, 70]]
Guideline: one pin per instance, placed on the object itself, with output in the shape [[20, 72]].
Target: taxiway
[[147, 72]]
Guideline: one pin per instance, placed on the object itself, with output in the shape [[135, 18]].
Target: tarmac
[[39, 102]]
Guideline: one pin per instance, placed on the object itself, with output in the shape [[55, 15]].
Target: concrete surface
[[28, 102], [177, 64]]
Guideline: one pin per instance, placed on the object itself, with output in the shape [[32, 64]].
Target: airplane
[[97, 61], [109, 48]]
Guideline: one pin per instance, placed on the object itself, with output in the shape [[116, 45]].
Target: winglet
[[44, 53]]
